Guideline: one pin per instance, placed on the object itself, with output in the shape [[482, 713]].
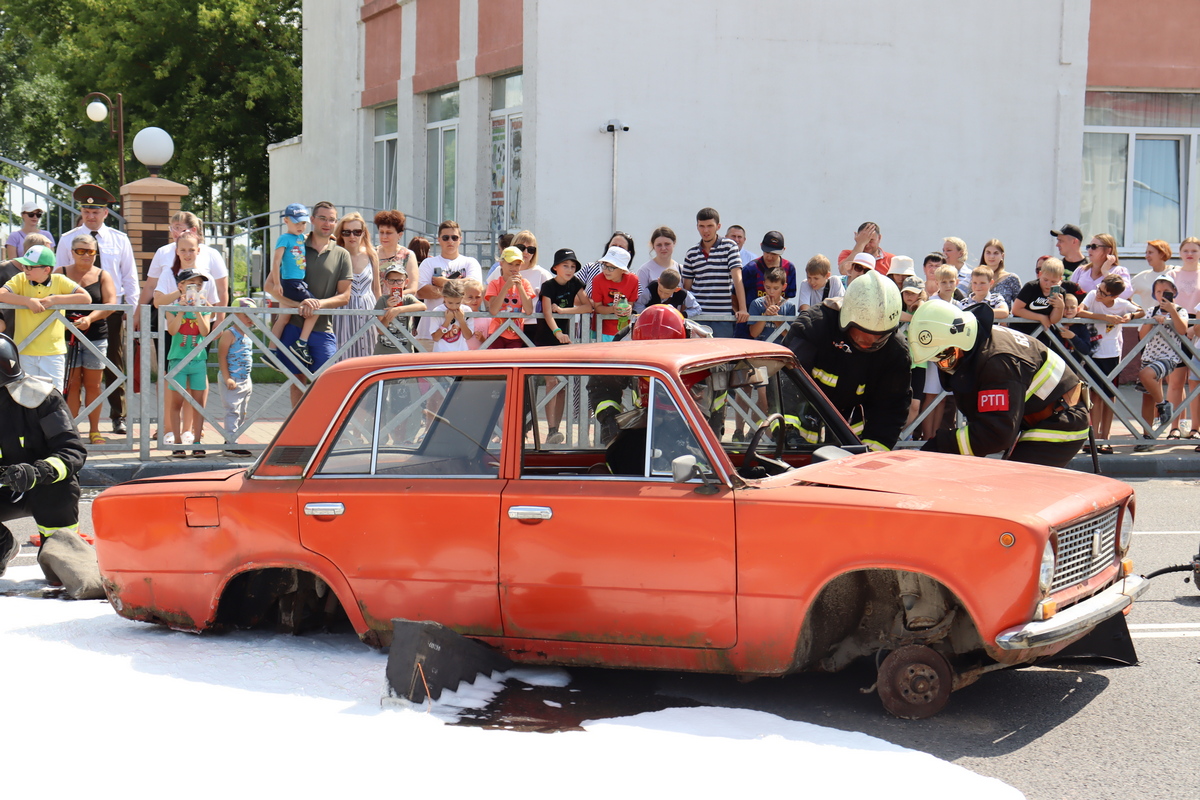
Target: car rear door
[[405, 497], [634, 558]]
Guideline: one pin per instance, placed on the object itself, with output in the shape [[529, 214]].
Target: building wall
[[782, 114], [798, 117], [326, 162], [1150, 44]]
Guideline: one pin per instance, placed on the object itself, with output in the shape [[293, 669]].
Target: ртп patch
[[993, 400]]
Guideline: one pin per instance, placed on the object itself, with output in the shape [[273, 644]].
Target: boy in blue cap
[[288, 262]]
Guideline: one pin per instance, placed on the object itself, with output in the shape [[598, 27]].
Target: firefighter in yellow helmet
[[1018, 396]]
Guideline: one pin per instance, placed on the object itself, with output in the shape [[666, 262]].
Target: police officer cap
[[89, 195]]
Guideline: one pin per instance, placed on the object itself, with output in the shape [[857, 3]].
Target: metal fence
[[145, 371]]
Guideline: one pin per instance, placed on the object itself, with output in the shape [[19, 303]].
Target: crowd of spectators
[[1081, 297]]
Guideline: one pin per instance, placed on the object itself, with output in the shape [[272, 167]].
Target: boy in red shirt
[[610, 286], [509, 292]]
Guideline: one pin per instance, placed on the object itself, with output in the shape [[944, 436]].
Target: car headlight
[[1046, 573], [1125, 536]]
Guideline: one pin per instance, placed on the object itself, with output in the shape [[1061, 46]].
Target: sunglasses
[[79, 251], [531, 250], [449, 238], [1096, 246], [352, 232], [34, 214]]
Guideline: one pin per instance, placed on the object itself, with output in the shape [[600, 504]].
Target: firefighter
[[40, 458], [853, 354], [1018, 396]]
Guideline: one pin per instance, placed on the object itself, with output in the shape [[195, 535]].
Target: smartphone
[[1169, 297], [1056, 290], [191, 293], [398, 292]]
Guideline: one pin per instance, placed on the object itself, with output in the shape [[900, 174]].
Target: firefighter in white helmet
[[854, 355], [1018, 396]]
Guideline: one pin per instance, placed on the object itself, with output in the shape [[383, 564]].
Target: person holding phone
[[187, 329], [1038, 301]]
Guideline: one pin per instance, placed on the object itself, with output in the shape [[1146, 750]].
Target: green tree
[[221, 76]]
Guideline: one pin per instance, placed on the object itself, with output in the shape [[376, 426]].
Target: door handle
[[324, 509], [530, 512]]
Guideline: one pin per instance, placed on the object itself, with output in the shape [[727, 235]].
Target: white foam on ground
[[137, 710]]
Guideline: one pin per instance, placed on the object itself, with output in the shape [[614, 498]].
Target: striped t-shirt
[[711, 282]]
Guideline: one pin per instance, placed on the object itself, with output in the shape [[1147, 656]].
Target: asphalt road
[[1073, 730]]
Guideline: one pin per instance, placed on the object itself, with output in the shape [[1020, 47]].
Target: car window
[[599, 425], [423, 426], [803, 419]]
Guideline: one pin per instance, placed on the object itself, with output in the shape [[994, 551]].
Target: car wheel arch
[[863, 611], [257, 587]]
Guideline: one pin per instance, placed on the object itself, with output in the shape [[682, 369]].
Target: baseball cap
[[565, 254], [772, 242], [297, 212], [245, 302], [911, 283], [395, 266], [511, 254], [37, 256], [618, 257], [1069, 230], [188, 274], [32, 205], [865, 260]]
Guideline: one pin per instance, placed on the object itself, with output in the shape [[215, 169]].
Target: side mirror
[[683, 469]]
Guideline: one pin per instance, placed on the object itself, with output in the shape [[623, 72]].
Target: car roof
[[674, 356]]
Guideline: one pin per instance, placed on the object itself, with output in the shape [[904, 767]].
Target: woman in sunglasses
[[1102, 261], [84, 368], [31, 221], [351, 233]]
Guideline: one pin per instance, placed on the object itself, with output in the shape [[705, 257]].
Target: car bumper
[[1076, 619]]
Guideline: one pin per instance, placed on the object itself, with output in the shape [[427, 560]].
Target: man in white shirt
[[115, 258], [436, 270]]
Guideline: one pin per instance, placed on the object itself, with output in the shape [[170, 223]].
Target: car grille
[[1079, 555]]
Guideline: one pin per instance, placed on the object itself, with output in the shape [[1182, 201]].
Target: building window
[[441, 156], [506, 132], [1139, 166], [385, 156]]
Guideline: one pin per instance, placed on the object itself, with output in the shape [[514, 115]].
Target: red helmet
[[660, 321]]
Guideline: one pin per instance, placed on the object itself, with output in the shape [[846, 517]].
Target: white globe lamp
[[154, 148]]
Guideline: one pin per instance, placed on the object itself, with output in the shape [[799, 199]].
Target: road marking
[[1166, 533], [1164, 630], [1166, 635]]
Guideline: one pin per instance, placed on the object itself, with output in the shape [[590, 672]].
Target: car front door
[[630, 558], [406, 496]]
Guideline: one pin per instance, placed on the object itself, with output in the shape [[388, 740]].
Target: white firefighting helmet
[[872, 304], [938, 325]]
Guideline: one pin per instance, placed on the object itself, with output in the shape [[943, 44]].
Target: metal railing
[[145, 371], [61, 214]]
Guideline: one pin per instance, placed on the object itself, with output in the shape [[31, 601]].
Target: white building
[[931, 118]]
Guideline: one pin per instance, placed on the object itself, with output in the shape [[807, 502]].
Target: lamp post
[[154, 148], [97, 110]]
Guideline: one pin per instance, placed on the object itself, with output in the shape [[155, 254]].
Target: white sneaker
[[168, 439], [188, 438]]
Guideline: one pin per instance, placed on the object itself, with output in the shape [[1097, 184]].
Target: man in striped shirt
[[712, 271]]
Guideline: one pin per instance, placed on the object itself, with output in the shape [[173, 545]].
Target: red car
[[472, 489]]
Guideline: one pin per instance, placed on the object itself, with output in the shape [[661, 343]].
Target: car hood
[[977, 485]]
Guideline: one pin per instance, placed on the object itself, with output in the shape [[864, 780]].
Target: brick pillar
[[148, 205]]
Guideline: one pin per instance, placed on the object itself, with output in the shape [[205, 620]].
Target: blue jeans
[[321, 346]]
